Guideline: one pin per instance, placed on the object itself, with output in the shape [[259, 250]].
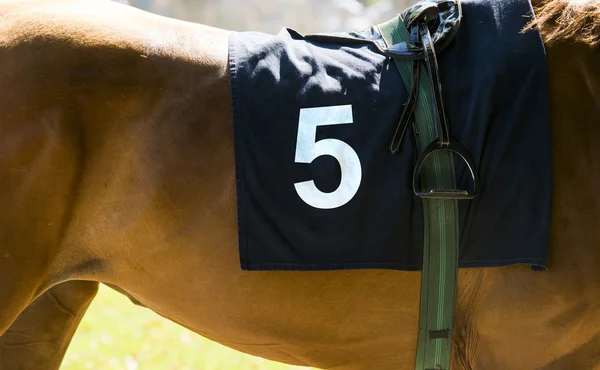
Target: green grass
[[115, 334]]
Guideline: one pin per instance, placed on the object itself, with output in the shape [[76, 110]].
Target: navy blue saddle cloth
[[317, 186]]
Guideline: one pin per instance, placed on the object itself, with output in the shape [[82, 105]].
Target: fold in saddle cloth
[[317, 186]]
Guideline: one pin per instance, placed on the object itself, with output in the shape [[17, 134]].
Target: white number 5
[[307, 150]]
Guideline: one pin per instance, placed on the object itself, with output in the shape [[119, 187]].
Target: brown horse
[[116, 166]]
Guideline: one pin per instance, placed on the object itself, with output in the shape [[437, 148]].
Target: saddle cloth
[[317, 186]]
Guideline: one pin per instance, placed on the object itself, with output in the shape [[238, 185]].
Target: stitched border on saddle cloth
[[494, 81]]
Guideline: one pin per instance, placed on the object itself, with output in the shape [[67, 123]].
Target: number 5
[[307, 150]]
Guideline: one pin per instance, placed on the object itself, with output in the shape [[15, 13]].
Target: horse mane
[[572, 20]]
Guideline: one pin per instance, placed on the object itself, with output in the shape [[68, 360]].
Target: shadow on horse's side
[[116, 165]]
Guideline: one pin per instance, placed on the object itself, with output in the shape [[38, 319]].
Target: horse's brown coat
[[116, 165]]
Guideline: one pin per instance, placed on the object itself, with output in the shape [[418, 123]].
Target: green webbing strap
[[440, 247]]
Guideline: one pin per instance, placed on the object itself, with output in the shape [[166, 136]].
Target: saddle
[[432, 26], [370, 86]]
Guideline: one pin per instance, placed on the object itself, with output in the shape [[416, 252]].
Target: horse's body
[[116, 165]]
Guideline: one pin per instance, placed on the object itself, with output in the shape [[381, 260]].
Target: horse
[[117, 166]]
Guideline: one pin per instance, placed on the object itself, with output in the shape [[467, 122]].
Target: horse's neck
[[566, 295]]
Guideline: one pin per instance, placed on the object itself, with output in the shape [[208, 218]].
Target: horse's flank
[[86, 86], [116, 165]]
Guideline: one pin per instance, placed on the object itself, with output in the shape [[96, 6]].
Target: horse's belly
[[342, 319]]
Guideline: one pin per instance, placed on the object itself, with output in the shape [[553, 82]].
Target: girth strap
[[440, 248]]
